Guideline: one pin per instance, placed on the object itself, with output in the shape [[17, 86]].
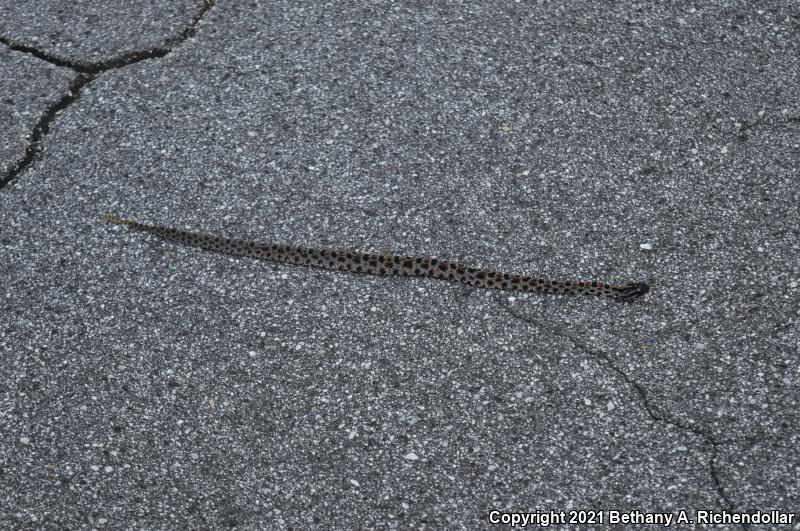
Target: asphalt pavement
[[148, 385]]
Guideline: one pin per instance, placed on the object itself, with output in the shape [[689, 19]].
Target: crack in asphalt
[[42, 127], [640, 391], [86, 73]]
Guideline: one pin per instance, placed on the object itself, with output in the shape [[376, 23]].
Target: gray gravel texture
[[84, 32], [149, 385], [27, 87]]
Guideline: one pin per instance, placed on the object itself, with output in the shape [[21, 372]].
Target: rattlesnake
[[387, 264]]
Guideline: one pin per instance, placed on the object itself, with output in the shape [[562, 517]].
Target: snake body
[[387, 264]]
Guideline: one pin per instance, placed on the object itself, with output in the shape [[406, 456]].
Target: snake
[[385, 264]]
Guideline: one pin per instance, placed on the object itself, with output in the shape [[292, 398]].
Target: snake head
[[631, 290]]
